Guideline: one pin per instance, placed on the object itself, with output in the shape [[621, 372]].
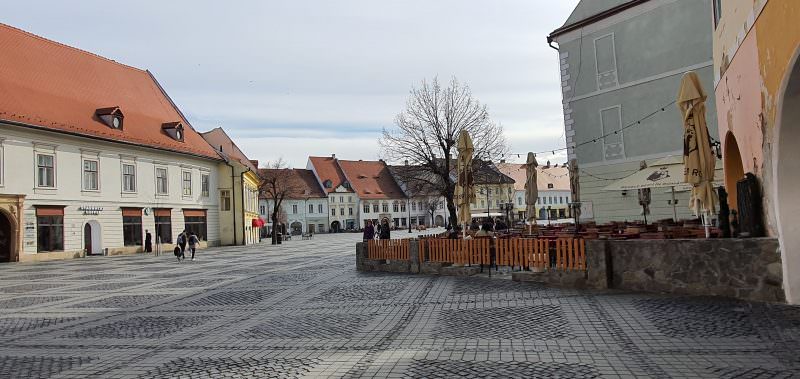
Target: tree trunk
[[274, 234]]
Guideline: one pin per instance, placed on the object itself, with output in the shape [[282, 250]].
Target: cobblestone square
[[301, 310]]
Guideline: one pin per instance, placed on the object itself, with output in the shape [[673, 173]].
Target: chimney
[[220, 148], [333, 156], [502, 161], [406, 162]]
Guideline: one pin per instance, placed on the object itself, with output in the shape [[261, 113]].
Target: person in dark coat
[[182, 241], [148, 242], [385, 230], [369, 231]]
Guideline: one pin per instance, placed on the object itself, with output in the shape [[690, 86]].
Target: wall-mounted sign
[[90, 210]]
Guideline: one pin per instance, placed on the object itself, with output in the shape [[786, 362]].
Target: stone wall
[[748, 269]]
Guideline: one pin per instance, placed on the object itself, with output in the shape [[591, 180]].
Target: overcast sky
[[297, 78]]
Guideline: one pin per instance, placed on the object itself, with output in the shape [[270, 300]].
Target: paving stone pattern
[[300, 310]]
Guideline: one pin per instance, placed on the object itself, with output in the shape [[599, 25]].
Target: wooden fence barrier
[[570, 254], [388, 249], [523, 252], [465, 252]]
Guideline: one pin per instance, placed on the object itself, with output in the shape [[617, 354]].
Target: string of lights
[[595, 139], [584, 172]]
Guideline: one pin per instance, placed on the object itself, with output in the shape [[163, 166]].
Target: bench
[[308, 236]]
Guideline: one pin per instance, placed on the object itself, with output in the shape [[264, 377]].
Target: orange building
[[757, 86]]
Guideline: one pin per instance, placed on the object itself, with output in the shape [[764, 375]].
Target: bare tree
[[426, 133], [432, 204], [278, 183]]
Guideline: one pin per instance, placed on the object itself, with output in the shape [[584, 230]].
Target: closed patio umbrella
[[531, 189], [465, 192], [698, 157]]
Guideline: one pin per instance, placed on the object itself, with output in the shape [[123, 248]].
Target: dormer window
[[549, 185], [328, 183], [111, 116], [174, 130]]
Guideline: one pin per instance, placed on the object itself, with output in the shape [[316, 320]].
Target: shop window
[[195, 222], [163, 221], [132, 228], [49, 229]]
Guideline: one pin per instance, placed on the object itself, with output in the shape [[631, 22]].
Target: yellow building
[[239, 181], [757, 87]]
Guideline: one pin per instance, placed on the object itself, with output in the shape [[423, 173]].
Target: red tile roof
[[217, 138], [328, 169], [371, 179], [304, 183], [49, 85]]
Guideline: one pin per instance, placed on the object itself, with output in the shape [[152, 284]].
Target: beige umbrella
[[465, 192], [698, 157], [531, 189]]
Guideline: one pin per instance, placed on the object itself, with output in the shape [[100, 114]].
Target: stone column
[[598, 264], [413, 255], [361, 256]]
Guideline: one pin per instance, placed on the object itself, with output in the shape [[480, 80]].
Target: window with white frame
[[605, 62], [366, 208], [414, 206], [311, 208], [204, 184], [375, 208], [45, 170], [402, 207], [385, 207], [91, 179], [395, 207], [187, 183], [294, 208], [225, 200], [319, 208], [611, 123], [333, 211], [128, 177], [161, 181]]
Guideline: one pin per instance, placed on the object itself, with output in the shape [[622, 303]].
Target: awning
[[257, 223], [664, 173], [491, 214]]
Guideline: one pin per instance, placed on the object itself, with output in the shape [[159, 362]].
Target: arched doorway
[[92, 242], [439, 220], [733, 169], [297, 228], [786, 165], [6, 238], [336, 227]]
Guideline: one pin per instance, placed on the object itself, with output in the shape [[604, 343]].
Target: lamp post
[[408, 208], [548, 215]]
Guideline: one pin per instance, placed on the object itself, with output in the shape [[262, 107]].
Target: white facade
[[343, 206], [303, 215], [85, 177]]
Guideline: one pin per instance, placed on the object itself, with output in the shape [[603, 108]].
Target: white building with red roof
[[92, 154], [359, 191], [305, 209]]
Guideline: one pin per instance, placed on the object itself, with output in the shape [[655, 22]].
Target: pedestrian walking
[[385, 230], [178, 252], [182, 242], [193, 242], [369, 231], [148, 242]]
